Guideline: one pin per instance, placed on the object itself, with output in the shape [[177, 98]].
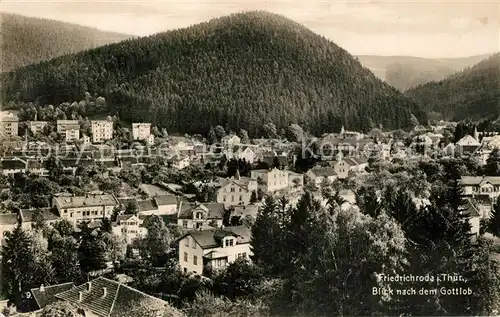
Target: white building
[[63, 125], [130, 227], [319, 175], [9, 124], [230, 140], [236, 190], [215, 248], [72, 135], [196, 216], [272, 180], [85, 208], [102, 130], [141, 131], [37, 127]]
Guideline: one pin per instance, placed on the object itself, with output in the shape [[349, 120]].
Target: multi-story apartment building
[[72, 135], [9, 124], [102, 130], [236, 190], [36, 127], [85, 208], [141, 131], [213, 248], [272, 180]]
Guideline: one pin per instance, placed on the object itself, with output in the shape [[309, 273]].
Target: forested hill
[[406, 72], [473, 93], [239, 71], [27, 40]]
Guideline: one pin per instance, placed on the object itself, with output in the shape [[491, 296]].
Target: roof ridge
[[115, 297]]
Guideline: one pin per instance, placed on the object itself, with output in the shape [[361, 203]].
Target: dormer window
[[199, 215], [229, 243]]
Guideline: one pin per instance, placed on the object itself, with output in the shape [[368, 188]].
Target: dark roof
[[147, 205], [215, 210], [48, 214], [69, 162], [209, 238], [46, 295], [162, 200], [9, 219], [323, 172], [244, 233], [13, 164], [119, 300]]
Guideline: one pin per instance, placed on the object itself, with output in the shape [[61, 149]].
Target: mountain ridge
[[472, 93], [240, 70], [406, 72], [28, 40]]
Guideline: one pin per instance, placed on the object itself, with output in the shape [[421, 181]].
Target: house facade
[[63, 125], [130, 227], [236, 190], [90, 207], [141, 131], [319, 175], [36, 127], [214, 248], [347, 164], [9, 124], [272, 180], [230, 141], [102, 130], [72, 135], [196, 216]]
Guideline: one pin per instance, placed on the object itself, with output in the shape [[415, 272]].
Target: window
[[185, 223], [244, 255], [195, 260], [224, 198], [232, 198], [194, 244], [187, 241], [185, 257], [241, 198], [231, 242], [232, 189]]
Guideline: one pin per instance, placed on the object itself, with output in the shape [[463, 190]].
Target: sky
[[433, 29]]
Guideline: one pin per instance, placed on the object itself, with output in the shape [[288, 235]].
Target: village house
[[8, 222], [71, 135], [85, 140], [347, 164], [142, 132], [230, 140], [46, 295], [167, 204], [214, 248], [179, 162], [240, 212], [36, 127], [9, 124], [102, 297], [243, 152], [319, 175], [63, 125], [38, 166], [130, 227], [236, 190], [85, 208], [102, 130], [199, 215], [272, 179], [147, 207], [469, 144], [49, 216]]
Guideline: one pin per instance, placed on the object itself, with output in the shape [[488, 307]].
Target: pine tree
[[17, 262], [91, 250], [494, 226]]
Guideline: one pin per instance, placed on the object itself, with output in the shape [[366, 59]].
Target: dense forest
[[473, 93], [406, 72], [27, 40], [239, 71]]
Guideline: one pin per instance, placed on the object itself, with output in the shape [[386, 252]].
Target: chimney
[[80, 296], [42, 288], [89, 286], [104, 292]]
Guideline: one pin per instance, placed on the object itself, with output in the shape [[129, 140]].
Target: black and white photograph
[[235, 158]]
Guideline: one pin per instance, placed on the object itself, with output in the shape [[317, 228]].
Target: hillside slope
[[239, 71], [406, 72], [473, 93], [27, 40]]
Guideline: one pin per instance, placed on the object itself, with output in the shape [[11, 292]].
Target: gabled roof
[[468, 140], [323, 172], [476, 180], [471, 208], [117, 302], [162, 200], [213, 210], [47, 213], [147, 205], [46, 295], [210, 238], [88, 200]]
